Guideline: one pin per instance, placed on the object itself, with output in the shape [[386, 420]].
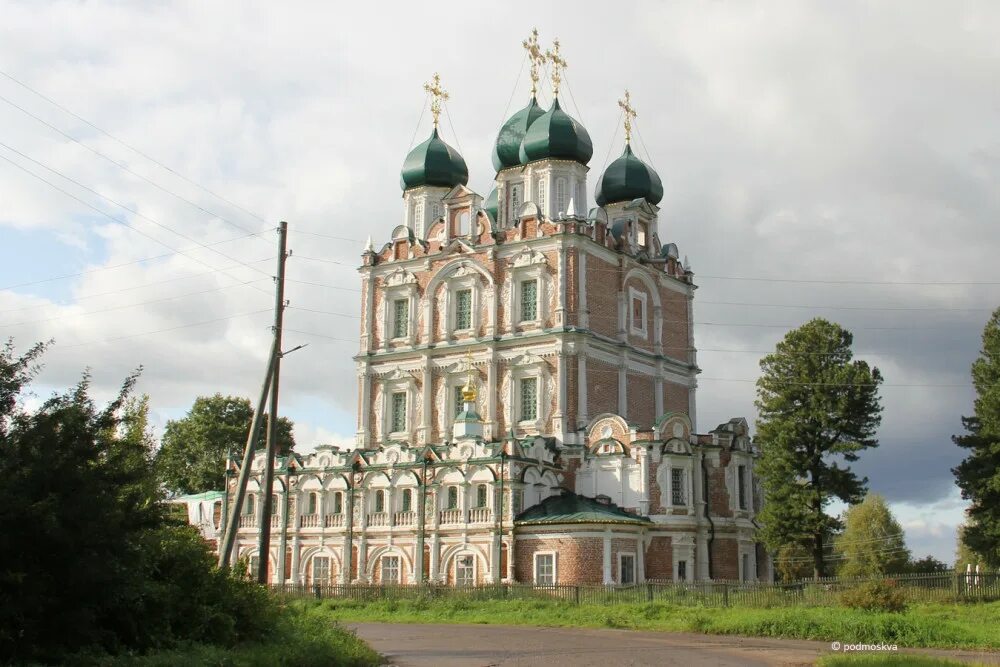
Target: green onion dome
[[555, 134], [433, 163], [507, 150], [491, 204], [628, 178]]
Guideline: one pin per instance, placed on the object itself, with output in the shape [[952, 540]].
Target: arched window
[[481, 495], [562, 196], [274, 504], [540, 199], [312, 505], [435, 211], [249, 507], [452, 497], [338, 502], [407, 500], [380, 501], [418, 215], [515, 200]]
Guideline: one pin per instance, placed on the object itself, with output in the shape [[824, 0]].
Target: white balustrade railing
[[248, 520], [378, 519], [480, 515], [452, 516], [309, 521], [335, 520], [407, 518]]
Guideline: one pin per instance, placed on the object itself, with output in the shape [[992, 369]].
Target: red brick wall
[[641, 400], [580, 560], [725, 559], [660, 558], [675, 398], [602, 296], [602, 390]]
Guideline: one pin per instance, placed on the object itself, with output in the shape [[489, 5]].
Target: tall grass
[[933, 625]]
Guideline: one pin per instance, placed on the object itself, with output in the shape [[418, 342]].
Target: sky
[[833, 160]]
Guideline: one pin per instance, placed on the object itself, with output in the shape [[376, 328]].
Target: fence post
[[725, 594], [576, 594], [316, 590], [649, 592]]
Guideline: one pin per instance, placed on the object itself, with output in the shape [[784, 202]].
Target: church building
[[526, 383]]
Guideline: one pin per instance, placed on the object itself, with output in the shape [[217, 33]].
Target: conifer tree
[[978, 476], [817, 407]]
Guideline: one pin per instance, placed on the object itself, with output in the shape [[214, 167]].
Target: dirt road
[[481, 645]]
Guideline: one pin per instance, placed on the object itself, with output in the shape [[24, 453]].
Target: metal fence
[[938, 587]]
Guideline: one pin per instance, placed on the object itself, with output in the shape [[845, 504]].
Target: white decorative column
[[583, 315], [492, 423], [608, 578], [364, 435], [622, 388], [427, 393], [559, 418], [582, 418], [296, 548]]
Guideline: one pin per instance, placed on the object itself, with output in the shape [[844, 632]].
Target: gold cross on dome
[[469, 390], [438, 95], [536, 57], [558, 65], [630, 113]]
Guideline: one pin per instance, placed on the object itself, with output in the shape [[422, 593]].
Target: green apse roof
[[507, 150], [491, 205], [555, 134], [628, 178], [433, 163], [571, 508]]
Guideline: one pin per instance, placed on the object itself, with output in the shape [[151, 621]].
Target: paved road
[[407, 645]]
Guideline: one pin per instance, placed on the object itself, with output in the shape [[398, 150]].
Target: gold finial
[[536, 57], [438, 95], [630, 113], [558, 65], [469, 390]]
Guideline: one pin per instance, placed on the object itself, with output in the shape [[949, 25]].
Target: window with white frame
[[459, 401], [481, 495], [435, 211], [637, 312], [254, 565], [529, 399], [390, 569], [463, 309], [465, 570], [398, 419], [338, 502], [250, 506], [562, 196], [626, 569], [540, 199], [321, 570], [379, 502], [741, 482], [400, 318], [545, 569], [682, 570], [452, 498], [418, 215], [312, 506], [678, 494], [529, 300], [641, 234]]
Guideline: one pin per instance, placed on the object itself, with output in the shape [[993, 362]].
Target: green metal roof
[[492, 205], [628, 178], [555, 134], [571, 508], [507, 149], [433, 163]]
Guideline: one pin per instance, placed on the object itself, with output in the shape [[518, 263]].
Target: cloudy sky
[[819, 159]]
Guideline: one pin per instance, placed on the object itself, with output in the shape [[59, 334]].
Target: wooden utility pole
[[264, 536]]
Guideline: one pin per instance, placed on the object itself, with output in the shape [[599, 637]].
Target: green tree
[[193, 449], [964, 556], [793, 562], [926, 565], [817, 408], [872, 543], [978, 475], [87, 558]]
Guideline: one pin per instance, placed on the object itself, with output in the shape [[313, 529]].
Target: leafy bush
[[876, 595]]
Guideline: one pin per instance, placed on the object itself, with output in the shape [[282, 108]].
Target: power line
[[130, 147], [158, 331], [123, 167], [129, 289], [127, 208], [337, 287], [327, 236], [117, 220], [130, 305], [326, 261], [118, 266]]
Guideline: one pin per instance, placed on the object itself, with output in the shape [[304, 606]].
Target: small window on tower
[[529, 300], [459, 403], [562, 200], [481, 495], [677, 491], [453, 497], [637, 313], [338, 502], [516, 198], [641, 232], [529, 399], [401, 318], [398, 412], [463, 309], [407, 503], [741, 481], [418, 214], [540, 189], [380, 501]]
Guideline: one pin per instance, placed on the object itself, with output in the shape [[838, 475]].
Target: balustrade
[[480, 515], [248, 521], [378, 519], [309, 521], [334, 520], [405, 518], [452, 516]]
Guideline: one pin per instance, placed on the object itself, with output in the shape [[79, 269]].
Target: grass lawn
[[883, 660], [973, 626], [305, 638]]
